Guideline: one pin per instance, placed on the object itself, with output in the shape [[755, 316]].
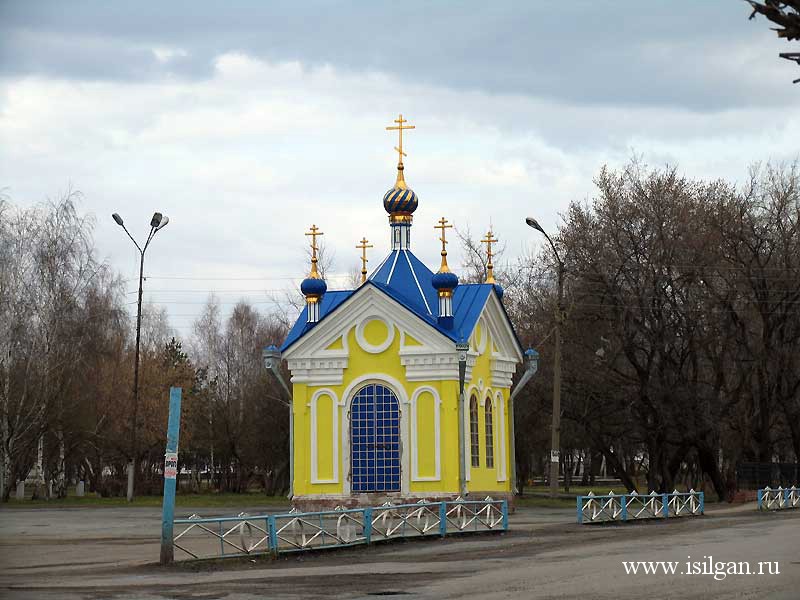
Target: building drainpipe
[[462, 350], [531, 366], [272, 362]]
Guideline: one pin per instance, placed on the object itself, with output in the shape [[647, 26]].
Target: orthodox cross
[[399, 128], [314, 232], [443, 226], [489, 240], [363, 247]]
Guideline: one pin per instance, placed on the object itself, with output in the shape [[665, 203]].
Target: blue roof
[[404, 278], [329, 302], [408, 281]]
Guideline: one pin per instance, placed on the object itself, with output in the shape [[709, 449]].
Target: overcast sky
[[247, 121]]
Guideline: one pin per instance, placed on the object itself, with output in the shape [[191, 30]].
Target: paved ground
[[109, 553]]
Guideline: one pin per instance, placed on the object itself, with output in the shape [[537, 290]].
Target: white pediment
[[505, 349], [311, 359]]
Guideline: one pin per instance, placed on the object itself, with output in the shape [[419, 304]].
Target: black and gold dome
[[401, 199]]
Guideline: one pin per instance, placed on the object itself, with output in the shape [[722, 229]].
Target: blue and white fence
[[633, 506], [246, 535], [778, 499]]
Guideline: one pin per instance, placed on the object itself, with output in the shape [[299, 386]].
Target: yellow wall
[[387, 362], [483, 478]]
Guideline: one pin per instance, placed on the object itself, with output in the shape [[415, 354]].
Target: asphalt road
[[92, 553]]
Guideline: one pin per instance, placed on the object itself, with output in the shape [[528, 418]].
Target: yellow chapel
[[400, 387]]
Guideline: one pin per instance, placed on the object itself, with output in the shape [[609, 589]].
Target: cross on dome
[[443, 226], [363, 245], [489, 240], [314, 232], [399, 128]]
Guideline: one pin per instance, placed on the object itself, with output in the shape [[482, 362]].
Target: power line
[[188, 278]]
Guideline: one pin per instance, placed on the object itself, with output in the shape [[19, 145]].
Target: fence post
[[273, 535], [443, 518], [579, 502], [760, 498], [702, 503], [504, 509], [665, 505], [170, 477], [624, 507], [368, 525]]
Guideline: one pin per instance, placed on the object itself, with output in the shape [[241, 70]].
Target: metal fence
[[769, 499], [633, 506], [250, 535]]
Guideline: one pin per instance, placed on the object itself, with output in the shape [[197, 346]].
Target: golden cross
[[443, 226], [363, 247], [314, 232], [489, 240], [400, 127]]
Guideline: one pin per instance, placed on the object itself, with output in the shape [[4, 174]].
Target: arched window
[[487, 415], [375, 440], [475, 446]]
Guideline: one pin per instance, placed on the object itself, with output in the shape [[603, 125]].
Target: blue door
[[375, 440]]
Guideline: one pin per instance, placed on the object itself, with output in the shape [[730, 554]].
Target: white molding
[[424, 365], [318, 371], [314, 435], [347, 399], [480, 343], [362, 341], [500, 329], [483, 391], [503, 372], [501, 418], [437, 434]]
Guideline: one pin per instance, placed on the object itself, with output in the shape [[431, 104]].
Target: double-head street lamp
[[555, 441], [157, 223]]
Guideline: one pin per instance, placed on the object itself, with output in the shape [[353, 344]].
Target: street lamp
[[272, 363], [555, 441], [157, 223]]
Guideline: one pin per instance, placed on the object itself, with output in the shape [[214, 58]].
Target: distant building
[[376, 377]]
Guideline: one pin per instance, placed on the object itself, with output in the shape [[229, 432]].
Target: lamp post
[[461, 350], [157, 223], [272, 363], [555, 441]]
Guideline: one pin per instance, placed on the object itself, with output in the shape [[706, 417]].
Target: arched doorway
[[375, 440]]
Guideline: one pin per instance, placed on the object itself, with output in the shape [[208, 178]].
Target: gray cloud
[[700, 56]]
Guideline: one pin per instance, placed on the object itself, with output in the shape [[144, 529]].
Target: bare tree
[[785, 14]]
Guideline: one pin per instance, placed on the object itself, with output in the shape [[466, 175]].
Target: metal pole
[[462, 350], [157, 223], [555, 444], [134, 449], [170, 476]]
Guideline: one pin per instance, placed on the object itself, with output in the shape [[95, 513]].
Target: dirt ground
[[89, 553]]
